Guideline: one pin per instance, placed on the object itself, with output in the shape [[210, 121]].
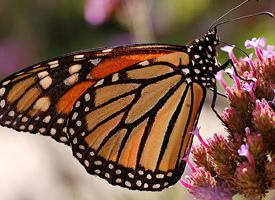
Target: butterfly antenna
[[265, 13], [228, 12]]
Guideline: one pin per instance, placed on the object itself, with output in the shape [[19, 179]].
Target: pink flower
[[219, 77], [250, 62], [237, 81], [257, 44], [196, 132], [14, 55], [250, 88], [99, 11], [254, 43], [264, 117], [244, 150], [186, 159], [229, 50], [243, 161], [269, 51]]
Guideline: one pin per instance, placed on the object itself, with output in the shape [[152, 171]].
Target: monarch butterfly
[[126, 111]]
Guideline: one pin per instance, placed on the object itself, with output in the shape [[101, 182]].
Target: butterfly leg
[[216, 112], [230, 62], [215, 92], [213, 104]]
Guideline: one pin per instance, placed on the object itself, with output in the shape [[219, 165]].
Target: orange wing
[[132, 127], [40, 98], [125, 111]]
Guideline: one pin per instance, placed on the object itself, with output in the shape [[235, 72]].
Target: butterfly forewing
[[39, 99], [126, 112], [133, 128]]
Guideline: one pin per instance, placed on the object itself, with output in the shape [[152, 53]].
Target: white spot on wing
[[42, 104], [188, 80], [149, 176], [107, 175], [22, 127], [71, 79], [107, 50], [79, 56], [74, 116], [79, 123], [130, 175], [53, 131], [71, 131], [128, 184], [87, 97], [30, 127], [63, 139], [42, 130], [77, 104], [86, 162], [115, 77], [196, 56], [53, 64], [144, 63], [138, 183], [185, 70], [99, 83], [156, 186], [79, 155], [6, 82], [2, 103], [169, 174], [74, 68], [24, 119], [98, 162], [2, 91], [11, 113], [60, 121], [95, 61], [197, 71], [118, 180], [47, 119], [46, 82], [160, 176], [43, 74]]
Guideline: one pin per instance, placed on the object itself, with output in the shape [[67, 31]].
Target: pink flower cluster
[[243, 162]]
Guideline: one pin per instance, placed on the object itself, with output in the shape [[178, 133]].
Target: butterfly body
[[127, 112]]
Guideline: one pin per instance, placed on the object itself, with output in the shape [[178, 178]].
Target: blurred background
[[37, 168]]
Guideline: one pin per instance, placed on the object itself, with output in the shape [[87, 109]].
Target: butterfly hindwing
[[132, 127]]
